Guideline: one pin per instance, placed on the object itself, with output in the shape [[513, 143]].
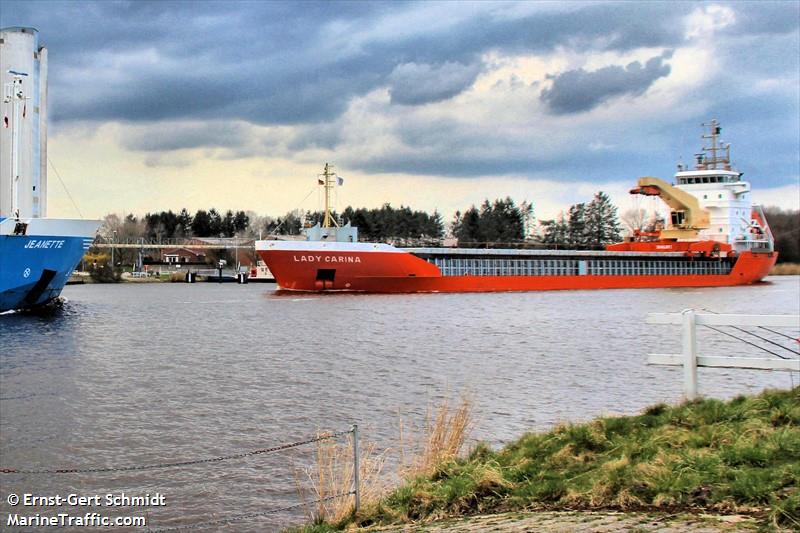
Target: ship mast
[[14, 95], [329, 182], [710, 162]]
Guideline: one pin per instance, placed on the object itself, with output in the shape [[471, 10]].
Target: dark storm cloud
[[415, 84], [263, 62], [277, 63], [154, 64], [324, 136], [581, 167], [179, 137], [580, 90]]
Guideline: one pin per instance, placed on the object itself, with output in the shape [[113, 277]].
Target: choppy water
[[141, 374]]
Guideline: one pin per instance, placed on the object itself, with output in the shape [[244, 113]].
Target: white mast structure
[[15, 95], [330, 229], [23, 132], [329, 182]]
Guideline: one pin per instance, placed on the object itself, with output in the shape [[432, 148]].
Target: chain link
[[264, 451], [239, 518]]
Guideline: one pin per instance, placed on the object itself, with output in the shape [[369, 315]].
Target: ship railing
[[756, 245], [226, 243], [779, 336], [489, 245]]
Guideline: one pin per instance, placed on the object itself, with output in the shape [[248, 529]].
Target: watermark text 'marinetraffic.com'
[[68, 520]]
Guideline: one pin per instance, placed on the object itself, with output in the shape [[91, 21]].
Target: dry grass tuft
[[441, 440], [332, 474], [489, 478], [785, 269]]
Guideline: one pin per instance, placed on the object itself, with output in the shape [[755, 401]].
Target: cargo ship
[[37, 254], [715, 237]]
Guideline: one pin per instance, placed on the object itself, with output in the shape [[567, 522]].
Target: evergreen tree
[[434, 226], [240, 222], [215, 223], [555, 231], [526, 210], [455, 225], [509, 223], [469, 228], [227, 228], [500, 221], [602, 223], [160, 225], [290, 224], [184, 227], [201, 224], [576, 226]]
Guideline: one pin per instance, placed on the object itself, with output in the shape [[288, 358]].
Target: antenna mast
[[710, 163], [329, 182]]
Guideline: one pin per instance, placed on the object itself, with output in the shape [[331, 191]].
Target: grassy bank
[[785, 269], [739, 456]]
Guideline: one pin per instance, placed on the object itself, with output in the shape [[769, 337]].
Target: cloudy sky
[[436, 105]]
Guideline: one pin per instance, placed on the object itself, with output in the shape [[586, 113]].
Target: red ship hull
[[388, 270]]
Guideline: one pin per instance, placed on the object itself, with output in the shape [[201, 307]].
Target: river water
[[139, 374]]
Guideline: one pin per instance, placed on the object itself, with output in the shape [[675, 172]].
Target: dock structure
[[231, 243]]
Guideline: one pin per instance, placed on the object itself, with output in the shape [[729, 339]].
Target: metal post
[[356, 469], [689, 354]]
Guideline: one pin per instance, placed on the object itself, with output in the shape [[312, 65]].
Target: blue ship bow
[[37, 256]]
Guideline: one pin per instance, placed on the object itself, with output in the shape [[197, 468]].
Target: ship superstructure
[[37, 254], [722, 192], [714, 237]]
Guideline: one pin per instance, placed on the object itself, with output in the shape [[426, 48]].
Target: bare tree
[[635, 219]]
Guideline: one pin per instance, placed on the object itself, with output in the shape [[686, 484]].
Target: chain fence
[[355, 492]]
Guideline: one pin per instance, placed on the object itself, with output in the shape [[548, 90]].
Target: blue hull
[[34, 268]]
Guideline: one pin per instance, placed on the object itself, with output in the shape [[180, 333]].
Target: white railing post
[[689, 359], [356, 470], [689, 354]]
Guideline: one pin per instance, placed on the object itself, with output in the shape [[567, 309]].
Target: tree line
[[501, 221], [211, 223], [785, 226], [585, 225], [498, 221], [379, 224]]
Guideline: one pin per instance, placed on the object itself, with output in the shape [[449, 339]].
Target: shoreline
[[786, 269], [81, 278], [707, 457]]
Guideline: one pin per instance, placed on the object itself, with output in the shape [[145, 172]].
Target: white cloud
[[786, 197], [705, 21]]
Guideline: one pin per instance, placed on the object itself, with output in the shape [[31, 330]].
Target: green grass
[[737, 456]]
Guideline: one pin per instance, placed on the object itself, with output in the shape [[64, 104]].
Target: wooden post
[[356, 468], [689, 354]]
